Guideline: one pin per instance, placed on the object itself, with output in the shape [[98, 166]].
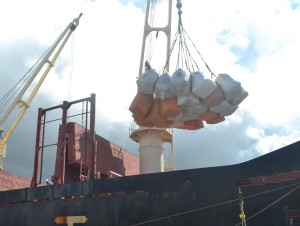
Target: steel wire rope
[[190, 60], [150, 48], [183, 57], [184, 54], [12, 93], [6, 99], [271, 204], [179, 59], [187, 55], [71, 68], [190, 57], [223, 203], [206, 65], [178, 32], [171, 50]]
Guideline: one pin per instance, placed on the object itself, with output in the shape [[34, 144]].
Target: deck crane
[[185, 99], [47, 61], [151, 140]]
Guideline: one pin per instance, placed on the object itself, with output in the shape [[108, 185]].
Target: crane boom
[[55, 50]]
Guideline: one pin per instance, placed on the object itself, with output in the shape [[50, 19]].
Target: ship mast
[[151, 140], [54, 51]]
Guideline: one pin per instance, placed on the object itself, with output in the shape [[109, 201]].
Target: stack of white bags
[[199, 98]]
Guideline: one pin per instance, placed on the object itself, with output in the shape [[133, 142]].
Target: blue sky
[[256, 42], [138, 3], [295, 4]]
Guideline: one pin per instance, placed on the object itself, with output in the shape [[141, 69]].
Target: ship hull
[[206, 196]]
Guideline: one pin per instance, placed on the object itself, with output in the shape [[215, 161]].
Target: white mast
[[151, 140]]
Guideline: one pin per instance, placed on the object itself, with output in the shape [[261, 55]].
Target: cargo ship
[[262, 191], [97, 182]]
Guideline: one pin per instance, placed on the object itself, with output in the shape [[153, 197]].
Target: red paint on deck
[[9, 181]]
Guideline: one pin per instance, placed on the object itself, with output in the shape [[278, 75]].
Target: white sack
[[202, 87], [162, 87], [177, 117], [237, 100], [187, 100], [220, 107], [229, 110], [230, 87], [146, 82], [224, 108], [198, 109], [180, 82], [187, 116]]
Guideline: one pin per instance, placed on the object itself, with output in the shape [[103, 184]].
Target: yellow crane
[[48, 61]]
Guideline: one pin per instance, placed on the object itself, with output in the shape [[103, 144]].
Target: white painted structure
[[151, 152], [151, 139]]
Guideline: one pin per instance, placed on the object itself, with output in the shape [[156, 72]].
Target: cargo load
[[202, 87], [180, 100], [180, 82], [162, 89], [146, 82]]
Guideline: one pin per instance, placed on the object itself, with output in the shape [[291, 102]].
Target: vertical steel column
[[93, 135], [148, 138], [61, 154], [65, 107], [34, 181], [42, 142], [148, 29]]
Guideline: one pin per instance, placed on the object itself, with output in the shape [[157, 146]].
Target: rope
[[273, 203], [186, 212], [184, 55], [206, 65], [190, 57], [151, 46], [242, 214], [7, 99], [219, 204], [71, 68], [171, 50]]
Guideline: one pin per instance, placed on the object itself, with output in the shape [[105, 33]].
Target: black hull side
[[206, 197]]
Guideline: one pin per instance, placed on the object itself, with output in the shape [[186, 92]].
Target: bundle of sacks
[[184, 100]]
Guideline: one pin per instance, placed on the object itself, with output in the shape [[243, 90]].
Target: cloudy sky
[[256, 42]]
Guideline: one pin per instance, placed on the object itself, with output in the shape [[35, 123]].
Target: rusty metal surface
[[205, 196], [9, 181], [81, 154], [110, 157]]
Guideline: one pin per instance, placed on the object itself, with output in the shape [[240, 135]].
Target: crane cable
[[297, 186], [184, 55], [241, 203], [151, 44], [271, 204], [8, 97], [71, 67], [6, 100]]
